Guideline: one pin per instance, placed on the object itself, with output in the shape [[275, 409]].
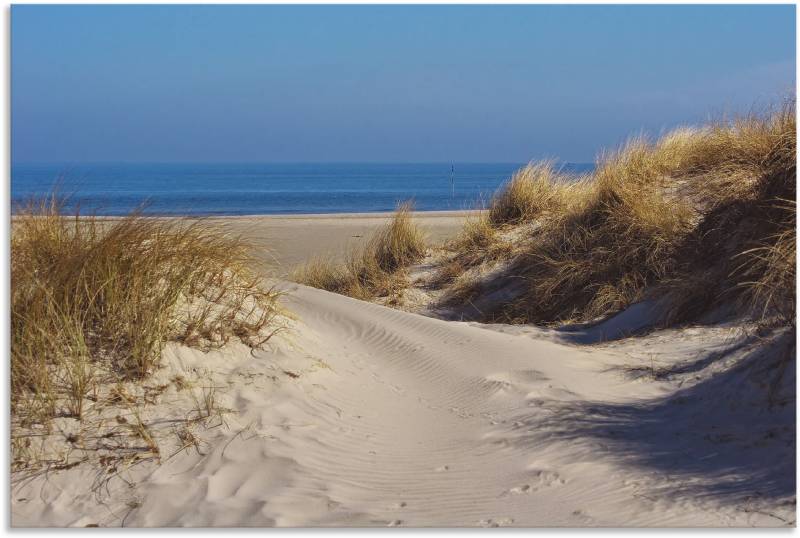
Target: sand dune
[[364, 415]]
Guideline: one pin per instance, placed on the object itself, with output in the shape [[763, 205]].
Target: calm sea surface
[[251, 189]]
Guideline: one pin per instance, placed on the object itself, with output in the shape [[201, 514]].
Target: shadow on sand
[[730, 435]]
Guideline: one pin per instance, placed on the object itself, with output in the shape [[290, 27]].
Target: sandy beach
[[438, 266], [362, 415], [282, 242]]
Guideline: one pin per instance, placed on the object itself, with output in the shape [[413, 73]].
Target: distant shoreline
[[245, 191], [433, 213], [284, 241]]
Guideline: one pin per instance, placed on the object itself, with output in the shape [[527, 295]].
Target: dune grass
[[742, 177], [534, 191], [705, 216], [96, 299], [377, 269], [616, 236]]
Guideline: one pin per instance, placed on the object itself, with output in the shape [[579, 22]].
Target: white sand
[[363, 415]]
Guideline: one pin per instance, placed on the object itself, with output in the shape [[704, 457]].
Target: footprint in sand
[[545, 478], [494, 523], [542, 478], [583, 518], [520, 490]]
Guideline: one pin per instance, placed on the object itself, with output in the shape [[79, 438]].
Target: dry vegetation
[[94, 301], [705, 217], [376, 270], [702, 219], [537, 190]]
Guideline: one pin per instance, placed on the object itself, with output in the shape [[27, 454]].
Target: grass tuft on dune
[[94, 300], [377, 270], [702, 216], [534, 191]]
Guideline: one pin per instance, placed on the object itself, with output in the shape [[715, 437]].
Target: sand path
[[383, 417], [416, 421]]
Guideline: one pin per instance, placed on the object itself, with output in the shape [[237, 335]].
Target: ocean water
[[259, 189]]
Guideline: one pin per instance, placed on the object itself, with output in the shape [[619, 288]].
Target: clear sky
[[381, 83]]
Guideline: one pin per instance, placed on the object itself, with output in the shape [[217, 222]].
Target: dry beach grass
[[376, 269], [703, 216], [94, 301]]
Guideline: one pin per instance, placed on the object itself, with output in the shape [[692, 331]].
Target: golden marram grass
[[96, 299], [704, 216], [374, 270]]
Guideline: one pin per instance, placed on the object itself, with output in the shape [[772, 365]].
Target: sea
[[263, 189]]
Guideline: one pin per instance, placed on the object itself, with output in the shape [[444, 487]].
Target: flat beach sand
[[362, 415], [283, 242]]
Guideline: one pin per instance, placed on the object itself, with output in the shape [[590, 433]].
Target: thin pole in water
[[452, 181]]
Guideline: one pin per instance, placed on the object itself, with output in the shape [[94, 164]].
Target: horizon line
[[78, 163]]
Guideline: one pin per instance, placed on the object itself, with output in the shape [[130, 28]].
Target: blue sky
[[381, 83]]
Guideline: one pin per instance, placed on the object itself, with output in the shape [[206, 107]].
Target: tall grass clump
[[532, 191], [534, 194], [742, 175], [768, 276], [704, 217], [95, 298], [399, 244], [618, 235], [373, 270]]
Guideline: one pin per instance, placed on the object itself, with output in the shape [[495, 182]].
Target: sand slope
[[363, 415]]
